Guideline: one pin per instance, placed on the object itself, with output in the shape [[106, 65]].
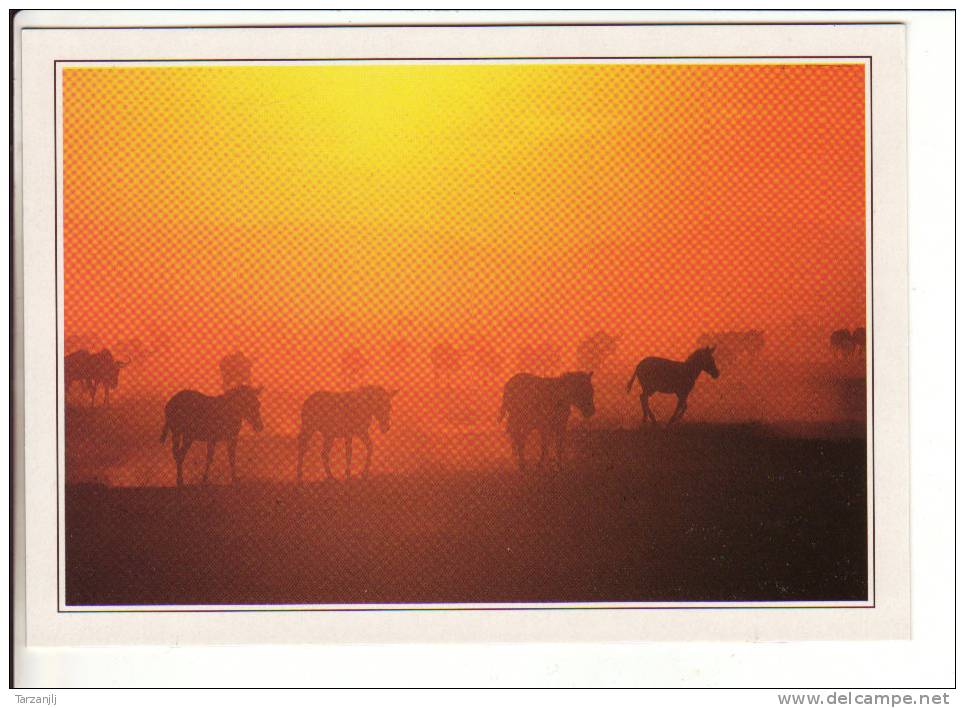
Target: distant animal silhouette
[[191, 416], [753, 342], [845, 344], [353, 365], [592, 352], [235, 371], [543, 404], [842, 343], [734, 346], [94, 370], [658, 375], [858, 337], [344, 415], [77, 369], [105, 371]]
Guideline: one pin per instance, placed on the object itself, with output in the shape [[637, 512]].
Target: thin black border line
[[520, 607]]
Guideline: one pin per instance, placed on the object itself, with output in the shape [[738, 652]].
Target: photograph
[[486, 332], [483, 349]]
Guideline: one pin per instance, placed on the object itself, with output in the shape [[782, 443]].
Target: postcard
[[358, 333]]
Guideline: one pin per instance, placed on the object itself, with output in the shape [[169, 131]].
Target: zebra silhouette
[[543, 404], [345, 415], [192, 416], [658, 375]]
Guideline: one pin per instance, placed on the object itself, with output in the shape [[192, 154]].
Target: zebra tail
[[164, 432], [632, 379]]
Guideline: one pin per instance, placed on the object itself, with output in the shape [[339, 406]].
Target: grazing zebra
[[543, 404], [842, 343], [191, 416], [658, 375], [344, 415]]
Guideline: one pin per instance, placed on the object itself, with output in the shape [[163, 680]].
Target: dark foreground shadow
[[699, 513]]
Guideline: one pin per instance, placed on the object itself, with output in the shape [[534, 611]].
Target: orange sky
[[293, 210]]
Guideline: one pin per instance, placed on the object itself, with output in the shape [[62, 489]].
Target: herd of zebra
[[530, 403]]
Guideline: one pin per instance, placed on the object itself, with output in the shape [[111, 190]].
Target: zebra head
[[245, 401], [114, 372], [707, 363], [581, 392], [382, 407]]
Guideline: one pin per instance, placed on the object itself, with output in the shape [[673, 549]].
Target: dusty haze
[[500, 213]]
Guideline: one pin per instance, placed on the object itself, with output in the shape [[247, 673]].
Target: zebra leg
[[519, 447], [232, 449], [681, 408], [182, 452], [326, 453], [207, 462], [348, 457], [648, 415], [302, 446], [92, 387], [367, 441], [178, 459]]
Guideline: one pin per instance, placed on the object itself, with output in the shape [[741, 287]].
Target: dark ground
[[698, 513]]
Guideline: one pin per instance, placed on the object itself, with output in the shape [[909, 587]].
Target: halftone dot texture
[[436, 228], [335, 223]]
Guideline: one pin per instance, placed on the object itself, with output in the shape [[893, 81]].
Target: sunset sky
[[294, 210]]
